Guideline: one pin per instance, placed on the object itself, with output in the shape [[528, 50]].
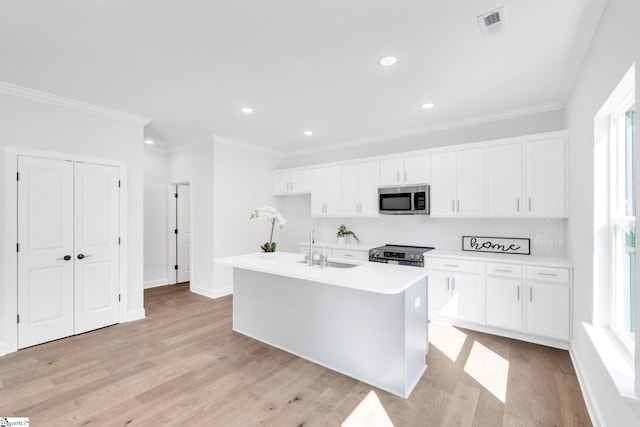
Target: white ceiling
[[190, 65]]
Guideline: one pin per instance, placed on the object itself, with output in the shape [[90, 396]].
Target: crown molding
[[245, 146], [425, 130], [48, 98]]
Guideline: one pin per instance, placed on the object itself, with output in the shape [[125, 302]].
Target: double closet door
[[68, 248]]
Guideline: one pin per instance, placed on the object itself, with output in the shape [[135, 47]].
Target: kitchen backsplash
[[547, 235]]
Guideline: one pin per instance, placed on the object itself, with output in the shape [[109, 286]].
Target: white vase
[[342, 240]]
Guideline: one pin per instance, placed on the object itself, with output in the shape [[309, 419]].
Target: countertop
[[365, 276], [505, 258]]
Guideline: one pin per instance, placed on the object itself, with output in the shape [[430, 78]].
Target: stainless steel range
[[399, 254]]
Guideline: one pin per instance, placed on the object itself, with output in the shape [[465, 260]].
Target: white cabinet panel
[[470, 175], [294, 181], [504, 180], [548, 310], [410, 170], [546, 178], [457, 184], [504, 303], [326, 196], [456, 294], [359, 189], [443, 184]]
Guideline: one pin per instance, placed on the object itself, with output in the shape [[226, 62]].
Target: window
[[623, 220]]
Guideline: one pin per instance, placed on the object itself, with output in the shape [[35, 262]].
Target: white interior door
[[45, 253], [97, 248], [183, 236]]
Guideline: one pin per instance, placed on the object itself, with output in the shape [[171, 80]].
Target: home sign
[[501, 245]]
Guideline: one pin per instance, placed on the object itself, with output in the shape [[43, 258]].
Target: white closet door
[[45, 236], [184, 234], [96, 243]]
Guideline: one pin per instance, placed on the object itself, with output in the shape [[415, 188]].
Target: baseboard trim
[[155, 283], [589, 400], [213, 294], [134, 315]]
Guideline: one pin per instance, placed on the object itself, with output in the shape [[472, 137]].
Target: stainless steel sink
[[334, 264]]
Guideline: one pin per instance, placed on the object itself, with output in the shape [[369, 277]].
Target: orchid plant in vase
[[271, 214]]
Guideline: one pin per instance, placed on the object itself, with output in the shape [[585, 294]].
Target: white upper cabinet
[[326, 194], [457, 184], [527, 179], [360, 189], [547, 178], [504, 180], [411, 170], [294, 181]]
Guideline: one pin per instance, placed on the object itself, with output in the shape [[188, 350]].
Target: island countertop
[[365, 276]]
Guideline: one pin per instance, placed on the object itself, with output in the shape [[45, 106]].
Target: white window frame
[[618, 223]]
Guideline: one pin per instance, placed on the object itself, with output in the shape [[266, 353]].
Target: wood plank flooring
[[184, 366]]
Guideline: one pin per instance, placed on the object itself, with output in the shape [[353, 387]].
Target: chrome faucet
[[311, 254]]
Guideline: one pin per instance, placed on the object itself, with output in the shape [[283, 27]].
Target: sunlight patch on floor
[[368, 413], [447, 339], [489, 369]]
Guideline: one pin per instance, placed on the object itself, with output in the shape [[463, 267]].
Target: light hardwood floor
[[184, 366]]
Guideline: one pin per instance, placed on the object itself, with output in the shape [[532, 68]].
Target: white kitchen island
[[368, 322]]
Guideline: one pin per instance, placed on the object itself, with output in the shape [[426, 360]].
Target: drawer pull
[[451, 265], [503, 270], [547, 274], [351, 255]]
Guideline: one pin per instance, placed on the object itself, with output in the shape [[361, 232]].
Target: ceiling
[[190, 65]]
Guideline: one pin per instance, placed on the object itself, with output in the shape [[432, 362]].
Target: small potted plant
[[343, 233], [271, 214]]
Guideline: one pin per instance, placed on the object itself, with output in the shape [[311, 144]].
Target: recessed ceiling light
[[427, 106], [308, 132], [387, 61], [247, 110], [148, 141]]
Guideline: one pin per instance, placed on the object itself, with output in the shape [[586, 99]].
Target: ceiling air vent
[[492, 22]]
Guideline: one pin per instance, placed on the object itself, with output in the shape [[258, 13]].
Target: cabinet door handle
[[453, 283], [453, 206], [530, 294], [398, 176], [529, 204], [64, 258], [448, 283], [518, 204], [518, 289], [405, 176], [458, 203]]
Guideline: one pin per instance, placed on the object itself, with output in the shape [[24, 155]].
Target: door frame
[[11, 154], [171, 226]]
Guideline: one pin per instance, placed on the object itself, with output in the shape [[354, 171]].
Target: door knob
[[82, 256], [65, 258]]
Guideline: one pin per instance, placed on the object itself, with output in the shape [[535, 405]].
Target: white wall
[[156, 234], [44, 126], [242, 183], [614, 48], [195, 165]]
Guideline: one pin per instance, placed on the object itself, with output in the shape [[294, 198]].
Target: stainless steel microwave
[[412, 200]]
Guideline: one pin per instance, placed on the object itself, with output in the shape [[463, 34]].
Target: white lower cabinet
[[456, 293], [548, 302], [528, 300]]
